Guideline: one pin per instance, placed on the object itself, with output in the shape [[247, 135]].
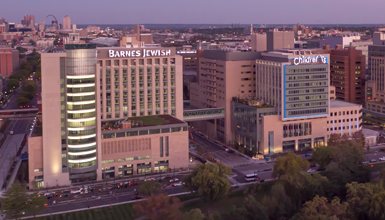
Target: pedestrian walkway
[[14, 173]]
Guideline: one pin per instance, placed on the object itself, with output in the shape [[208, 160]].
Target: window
[[166, 146], [38, 170], [126, 159], [108, 161], [161, 146]]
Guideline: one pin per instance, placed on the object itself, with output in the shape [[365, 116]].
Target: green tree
[[210, 181], [36, 204], [25, 65], [319, 208], [241, 149], [149, 188], [21, 49], [38, 75], [30, 86], [22, 101], [213, 216], [336, 139], [160, 207], [322, 155], [249, 210], [194, 214], [359, 137], [24, 73], [32, 42], [289, 164], [13, 84], [348, 155], [278, 203], [13, 201], [27, 95]]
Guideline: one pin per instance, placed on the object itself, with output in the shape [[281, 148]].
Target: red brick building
[[6, 61]]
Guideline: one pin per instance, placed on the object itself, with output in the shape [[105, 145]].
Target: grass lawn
[[375, 167], [125, 212]]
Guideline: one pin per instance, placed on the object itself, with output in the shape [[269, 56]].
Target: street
[[13, 102], [20, 125]]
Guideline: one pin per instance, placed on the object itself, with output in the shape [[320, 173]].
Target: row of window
[[126, 159], [307, 104], [306, 91], [308, 111], [306, 70], [309, 97], [343, 113], [298, 129], [307, 84], [144, 132], [307, 77], [133, 62], [343, 128], [343, 120]]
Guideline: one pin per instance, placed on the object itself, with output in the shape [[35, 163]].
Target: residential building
[[111, 112]]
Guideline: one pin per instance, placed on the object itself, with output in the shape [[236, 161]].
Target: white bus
[[252, 177]]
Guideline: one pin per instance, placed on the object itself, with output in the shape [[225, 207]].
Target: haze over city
[[201, 11]]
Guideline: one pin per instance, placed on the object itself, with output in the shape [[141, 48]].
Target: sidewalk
[[14, 172]]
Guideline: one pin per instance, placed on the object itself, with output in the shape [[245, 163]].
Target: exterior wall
[[35, 158], [337, 122], [189, 60], [6, 64], [51, 108], [146, 145], [280, 39], [15, 59], [258, 42], [130, 81]]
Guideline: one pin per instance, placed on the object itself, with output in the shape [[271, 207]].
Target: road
[[13, 102], [20, 125]]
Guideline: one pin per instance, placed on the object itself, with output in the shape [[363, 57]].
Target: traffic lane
[[230, 159], [99, 200], [20, 125], [205, 143], [375, 156]]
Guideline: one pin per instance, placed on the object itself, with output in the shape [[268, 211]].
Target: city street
[[13, 102], [20, 125]]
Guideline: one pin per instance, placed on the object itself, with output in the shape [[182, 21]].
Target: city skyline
[[170, 11]]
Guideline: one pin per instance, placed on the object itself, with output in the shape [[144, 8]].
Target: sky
[[198, 11]]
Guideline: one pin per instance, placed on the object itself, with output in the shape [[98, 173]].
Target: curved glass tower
[[81, 109]]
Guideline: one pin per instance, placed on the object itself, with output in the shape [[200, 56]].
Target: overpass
[[203, 114], [188, 115]]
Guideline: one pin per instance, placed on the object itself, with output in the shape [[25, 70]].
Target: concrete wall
[[51, 108], [35, 157]]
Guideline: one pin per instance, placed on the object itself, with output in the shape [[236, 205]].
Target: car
[[382, 158], [112, 186], [137, 197], [65, 195], [310, 171], [74, 191], [66, 191], [365, 162], [150, 179], [373, 160], [49, 197], [178, 184], [49, 193], [169, 177], [174, 180], [11, 132]]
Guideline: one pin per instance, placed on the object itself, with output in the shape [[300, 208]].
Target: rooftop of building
[[142, 121], [339, 104], [251, 102], [369, 132]]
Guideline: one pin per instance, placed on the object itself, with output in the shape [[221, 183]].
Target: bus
[[252, 177]]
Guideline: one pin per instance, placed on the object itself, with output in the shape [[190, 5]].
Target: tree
[[213, 216], [24, 73], [32, 42], [359, 137], [210, 181], [21, 101], [348, 155], [30, 86], [150, 187], [201, 150], [38, 75], [194, 214], [278, 203], [25, 65], [336, 139], [382, 174], [13, 201], [36, 203], [289, 164], [21, 49], [322, 155], [160, 207], [250, 210], [13, 84], [319, 208], [27, 95]]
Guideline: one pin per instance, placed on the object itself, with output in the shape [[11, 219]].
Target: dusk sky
[[199, 11]]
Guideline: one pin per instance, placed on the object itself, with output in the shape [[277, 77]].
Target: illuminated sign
[[139, 53], [309, 60]]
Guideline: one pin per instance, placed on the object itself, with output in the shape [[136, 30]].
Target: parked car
[[65, 195], [310, 170], [174, 180], [74, 191], [382, 158], [373, 160], [177, 184], [365, 162]]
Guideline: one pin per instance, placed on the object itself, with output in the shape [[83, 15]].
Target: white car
[[178, 184], [174, 180], [382, 159], [310, 171], [73, 191]]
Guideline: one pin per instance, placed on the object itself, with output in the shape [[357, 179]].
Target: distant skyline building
[[279, 39], [66, 23]]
